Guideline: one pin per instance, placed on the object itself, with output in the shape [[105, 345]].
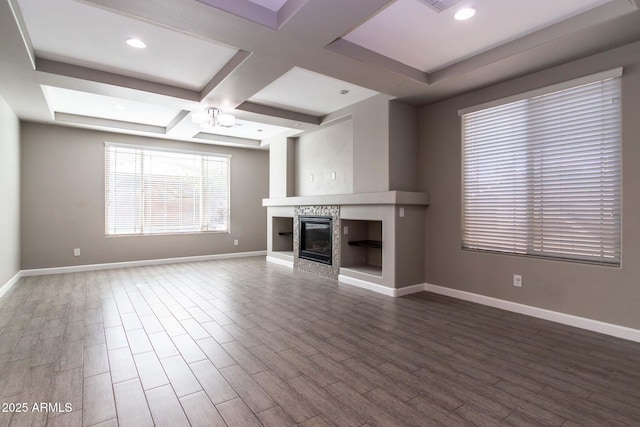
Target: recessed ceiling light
[[119, 107], [137, 43], [464, 14]]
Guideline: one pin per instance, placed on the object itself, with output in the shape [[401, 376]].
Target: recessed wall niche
[[362, 246], [282, 237]]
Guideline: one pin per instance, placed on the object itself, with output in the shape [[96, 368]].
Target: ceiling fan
[[213, 117]]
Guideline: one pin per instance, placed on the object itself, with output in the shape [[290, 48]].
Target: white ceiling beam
[[90, 74]]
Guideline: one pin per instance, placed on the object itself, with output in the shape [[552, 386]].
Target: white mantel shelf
[[381, 198]]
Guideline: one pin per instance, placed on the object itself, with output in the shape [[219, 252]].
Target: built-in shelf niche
[[361, 248], [282, 238]]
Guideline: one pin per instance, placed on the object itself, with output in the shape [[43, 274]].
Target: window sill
[[185, 233]]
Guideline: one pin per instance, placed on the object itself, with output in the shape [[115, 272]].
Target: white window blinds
[[542, 176], [149, 191]]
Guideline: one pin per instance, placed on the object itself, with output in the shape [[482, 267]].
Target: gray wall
[[9, 193], [63, 201], [409, 254], [371, 145], [603, 293], [403, 147], [282, 167], [329, 149]]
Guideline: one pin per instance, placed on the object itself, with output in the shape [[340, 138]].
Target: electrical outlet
[[401, 212], [346, 230], [76, 252], [235, 242], [333, 176], [311, 177], [517, 280]]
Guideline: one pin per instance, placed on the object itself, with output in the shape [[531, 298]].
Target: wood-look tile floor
[[241, 342]]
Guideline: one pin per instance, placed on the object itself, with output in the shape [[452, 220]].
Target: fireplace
[[315, 239]]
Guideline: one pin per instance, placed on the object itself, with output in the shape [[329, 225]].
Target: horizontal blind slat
[[542, 176], [151, 191]]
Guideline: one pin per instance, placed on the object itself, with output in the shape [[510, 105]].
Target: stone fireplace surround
[[324, 270]]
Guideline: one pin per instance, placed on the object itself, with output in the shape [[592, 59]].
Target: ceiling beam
[[84, 73]]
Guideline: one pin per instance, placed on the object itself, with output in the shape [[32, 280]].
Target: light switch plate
[[517, 280]]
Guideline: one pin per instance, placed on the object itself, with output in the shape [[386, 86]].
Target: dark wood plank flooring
[[241, 342]]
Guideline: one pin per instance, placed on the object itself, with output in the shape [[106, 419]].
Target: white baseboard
[[366, 285], [141, 263], [541, 313], [5, 288], [391, 292], [279, 261], [408, 290]]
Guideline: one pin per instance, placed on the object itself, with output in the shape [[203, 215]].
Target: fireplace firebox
[[315, 239]]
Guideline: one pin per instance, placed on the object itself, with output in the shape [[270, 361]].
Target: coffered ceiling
[[279, 66], [79, 103], [310, 93], [428, 40], [80, 34]]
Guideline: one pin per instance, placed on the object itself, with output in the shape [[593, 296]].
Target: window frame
[[531, 239], [202, 155]]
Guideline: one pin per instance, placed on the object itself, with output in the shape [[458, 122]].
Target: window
[[542, 174], [153, 191]]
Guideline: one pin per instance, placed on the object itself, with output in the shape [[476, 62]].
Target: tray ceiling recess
[[429, 38], [85, 104], [307, 92], [79, 34]]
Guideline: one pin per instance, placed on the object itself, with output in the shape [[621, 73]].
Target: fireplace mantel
[[380, 198], [393, 218]]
